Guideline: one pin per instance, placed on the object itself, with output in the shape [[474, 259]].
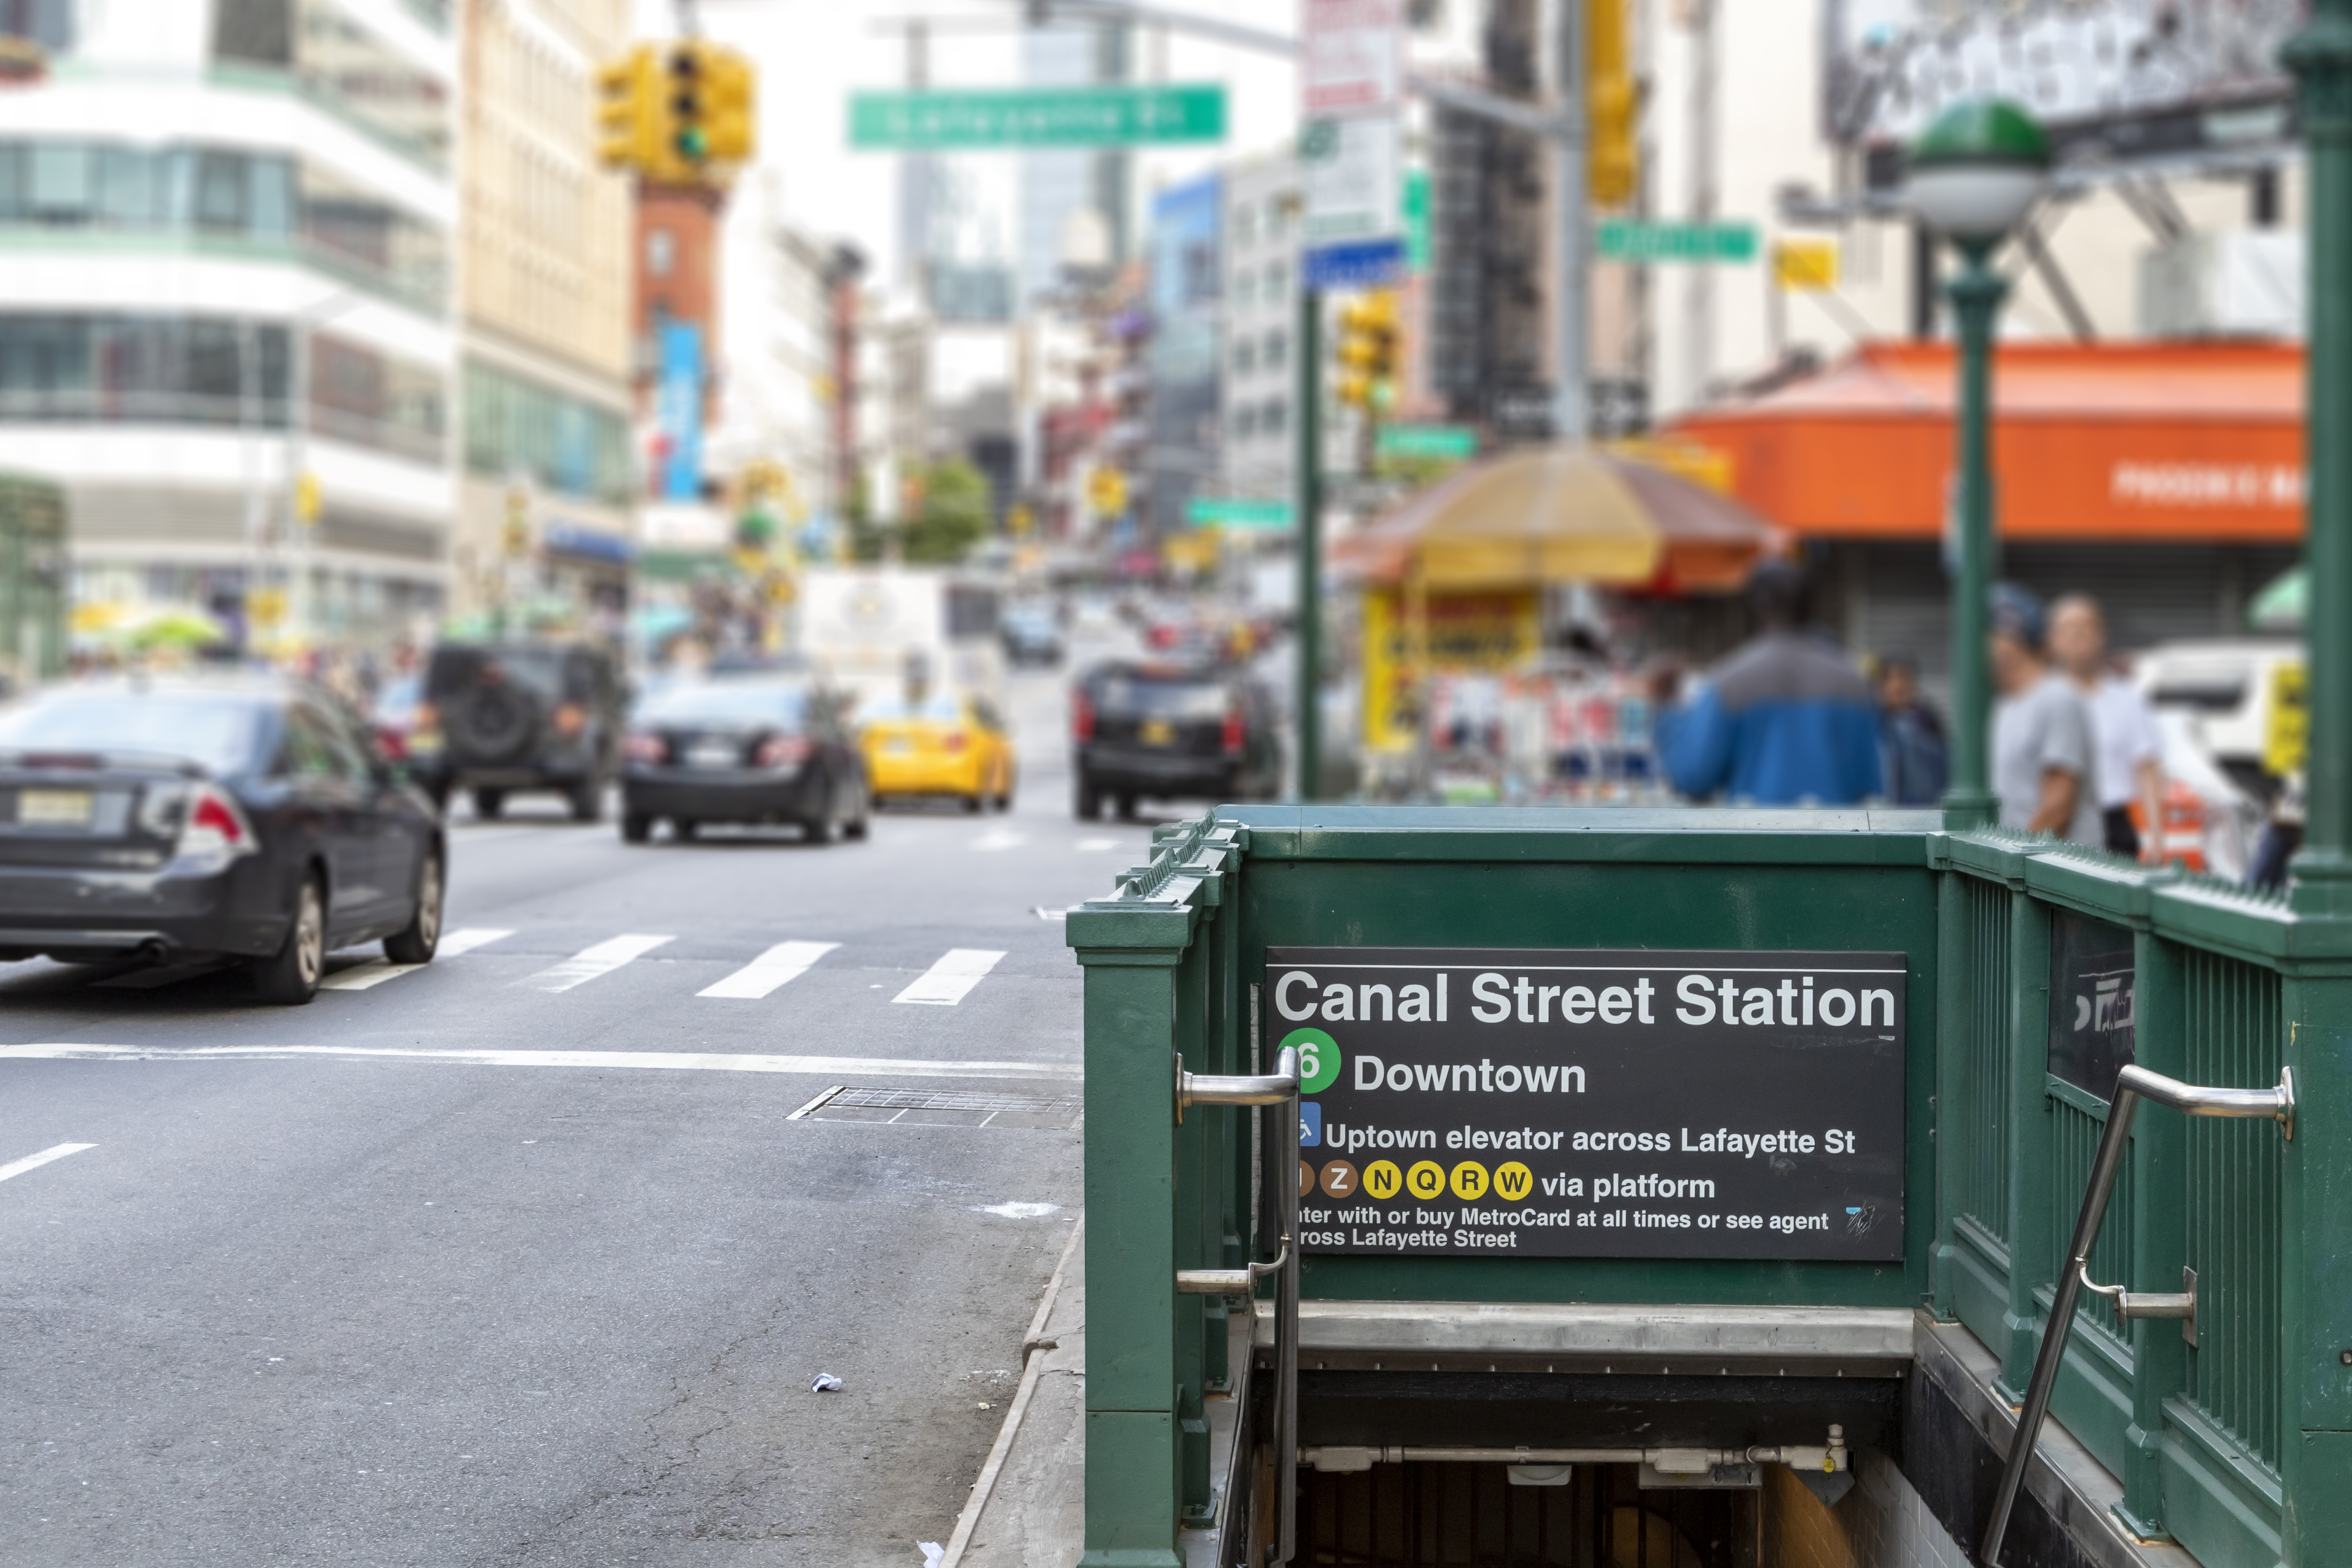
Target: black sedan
[[1170, 730], [753, 749], [173, 821]]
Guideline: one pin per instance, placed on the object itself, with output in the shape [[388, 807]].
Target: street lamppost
[[1975, 174]]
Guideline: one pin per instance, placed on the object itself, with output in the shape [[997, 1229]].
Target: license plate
[[712, 757], [54, 808], [1157, 732]]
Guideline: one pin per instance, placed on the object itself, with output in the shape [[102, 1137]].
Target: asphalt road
[[325, 1296]]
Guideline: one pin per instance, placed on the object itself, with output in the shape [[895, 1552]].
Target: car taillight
[[954, 741], [1236, 733], [389, 743], [215, 826], [783, 751], [1082, 717], [641, 747], [571, 718]]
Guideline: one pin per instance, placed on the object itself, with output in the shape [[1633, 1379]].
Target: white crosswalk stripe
[[591, 961], [785, 962], [376, 971], [951, 980]]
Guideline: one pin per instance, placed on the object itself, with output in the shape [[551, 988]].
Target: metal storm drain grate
[[943, 1107]]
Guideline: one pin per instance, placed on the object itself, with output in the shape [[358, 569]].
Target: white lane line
[[999, 839], [1096, 846], [674, 1062], [376, 971], [950, 980], [34, 1162], [591, 961], [786, 961]]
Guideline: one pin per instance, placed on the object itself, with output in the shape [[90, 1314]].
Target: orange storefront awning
[[2170, 441]]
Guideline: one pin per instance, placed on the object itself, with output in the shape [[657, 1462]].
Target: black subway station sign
[[1596, 1103]]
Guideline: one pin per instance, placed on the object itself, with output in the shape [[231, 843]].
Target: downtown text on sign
[[1596, 1103]]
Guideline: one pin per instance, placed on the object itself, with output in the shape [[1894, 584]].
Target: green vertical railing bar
[[2074, 1130], [1986, 1053], [2158, 1175], [2236, 1034], [1955, 1015], [2032, 1219]]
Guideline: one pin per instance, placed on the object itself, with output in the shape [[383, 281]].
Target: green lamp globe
[[1976, 170]]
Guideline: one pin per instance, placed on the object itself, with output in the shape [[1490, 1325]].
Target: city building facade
[[228, 338], [1260, 386], [547, 498]]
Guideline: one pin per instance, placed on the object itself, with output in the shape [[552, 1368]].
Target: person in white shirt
[[2131, 749]]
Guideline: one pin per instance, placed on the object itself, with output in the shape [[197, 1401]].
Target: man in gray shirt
[[2044, 750]]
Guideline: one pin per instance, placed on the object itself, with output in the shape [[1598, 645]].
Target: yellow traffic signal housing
[[1368, 351], [631, 114], [689, 105], [730, 94], [1613, 156]]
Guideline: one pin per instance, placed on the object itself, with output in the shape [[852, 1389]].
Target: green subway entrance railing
[[2033, 973]]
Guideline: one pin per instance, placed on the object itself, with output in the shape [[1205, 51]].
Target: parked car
[[2226, 690], [1168, 731], [752, 749], [1032, 634], [246, 818], [940, 745], [501, 716]]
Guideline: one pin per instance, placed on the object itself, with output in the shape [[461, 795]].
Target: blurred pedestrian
[[2131, 748], [1918, 757], [1786, 719], [2044, 749]]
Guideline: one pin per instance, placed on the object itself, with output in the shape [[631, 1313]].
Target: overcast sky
[[813, 53]]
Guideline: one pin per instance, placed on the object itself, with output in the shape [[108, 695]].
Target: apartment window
[[1273, 417], [143, 369], [661, 251], [1245, 288], [1244, 422], [1276, 350], [374, 400], [222, 194], [1244, 357], [568, 446], [1245, 226], [1278, 280], [340, 65]]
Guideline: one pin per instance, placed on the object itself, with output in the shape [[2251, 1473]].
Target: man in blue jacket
[[1784, 720]]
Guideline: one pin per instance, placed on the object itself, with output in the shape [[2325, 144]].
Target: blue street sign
[[1356, 264]]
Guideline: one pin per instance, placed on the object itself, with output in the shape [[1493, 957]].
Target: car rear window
[[727, 702], [538, 671], [214, 731], [1163, 697], [942, 709]]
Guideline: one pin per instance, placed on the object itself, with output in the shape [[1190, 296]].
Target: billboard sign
[[677, 410], [1592, 1103], [2138, 78], [1351, 56], [1355, 210]]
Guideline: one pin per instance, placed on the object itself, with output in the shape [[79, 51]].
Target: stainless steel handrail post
[[1278, 1088], [2132, 1085]]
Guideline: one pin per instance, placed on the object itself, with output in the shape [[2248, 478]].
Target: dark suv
[[1168, 731], [499, 717]]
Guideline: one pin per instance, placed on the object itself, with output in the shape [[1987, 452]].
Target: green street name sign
[[1454, 441], [1024, 117], [1214, 513], [1635, 239]]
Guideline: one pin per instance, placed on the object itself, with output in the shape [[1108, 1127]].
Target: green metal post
[[1954, 985], [2158, 1171], [1976, 293], [1310, 542], [2033, 1228], [2322, 59]]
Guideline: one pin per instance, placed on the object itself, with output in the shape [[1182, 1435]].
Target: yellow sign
[[1805, 264], [309, 498], [2286, 731], [1107, 492], [1194, 552], [1468, 633], [1019, 521], [266, 606], [1703, 466]]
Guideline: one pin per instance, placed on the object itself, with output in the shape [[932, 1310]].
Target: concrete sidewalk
[[1028, 1509]]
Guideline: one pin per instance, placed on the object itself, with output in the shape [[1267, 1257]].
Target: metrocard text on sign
[[1596, 1103]]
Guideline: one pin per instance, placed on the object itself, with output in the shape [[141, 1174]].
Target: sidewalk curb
[[1033, 1358]]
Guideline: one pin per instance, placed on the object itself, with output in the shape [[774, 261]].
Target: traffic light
[[1612, 159], [730, 96], [690, 106], [630, 111], [1107, 492], [1368, 351]]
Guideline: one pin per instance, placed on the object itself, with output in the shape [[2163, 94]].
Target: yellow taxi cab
[[942, 744]]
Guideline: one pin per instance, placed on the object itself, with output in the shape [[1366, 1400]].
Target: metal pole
[[298, 454], [1571, 416], [1976, 294], [1310, 540], [2321, 59]]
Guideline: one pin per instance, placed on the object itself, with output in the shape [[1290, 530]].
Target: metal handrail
[[1280, 1088], [2132, 1085]]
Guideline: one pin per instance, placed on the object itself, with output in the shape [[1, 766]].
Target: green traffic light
[[693, 144]]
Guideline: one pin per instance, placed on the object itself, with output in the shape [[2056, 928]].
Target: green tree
[[953, 516]]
